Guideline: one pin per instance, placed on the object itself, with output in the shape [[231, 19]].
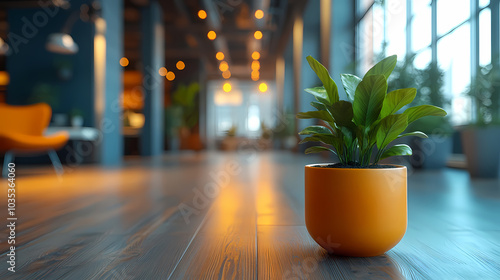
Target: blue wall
[[33, 65], [311, 46]]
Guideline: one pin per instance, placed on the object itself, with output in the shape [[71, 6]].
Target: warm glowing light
[[202, 14], [226, 74], [255, 55], [4, 78], [263, 87], [223, 66], [257, 35], [219, 56], [259, 14], [255, 75], [170, 76], [226, 87], [180, 65], [255, 65], [124, 62], [211, 35], [163, 71]]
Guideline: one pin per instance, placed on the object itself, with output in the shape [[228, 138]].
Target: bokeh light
[[180, 65], [170, 76], [255, 55], [162, 71], [226, 87], [223, 66], [263, 87], [257, 35], [211, 35], [219, 55], [226, 74], [202, 14], [259, 14], [124, 62]]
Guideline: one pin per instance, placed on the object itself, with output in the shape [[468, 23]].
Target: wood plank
[[288, 252], [98, 235], [225, 246]]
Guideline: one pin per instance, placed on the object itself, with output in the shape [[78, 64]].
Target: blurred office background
[[131, 78]]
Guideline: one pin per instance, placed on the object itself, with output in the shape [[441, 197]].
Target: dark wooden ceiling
[[186, 34]]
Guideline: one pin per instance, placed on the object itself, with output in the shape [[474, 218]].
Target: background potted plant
[[182, 118], [76, 118], [432, 152], [480, 138], [357, 207]]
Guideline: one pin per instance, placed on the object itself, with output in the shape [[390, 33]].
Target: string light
[[259, 14], [257, 35], [124, 62], [255, 55], [219, 56], [226, 87], [180, 65], [211, 35], [263, 87], [226, 74], [170, 76], [162, 71], [255, 65], [202, 14], [223, 66]]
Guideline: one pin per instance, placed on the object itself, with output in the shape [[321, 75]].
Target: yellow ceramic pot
[[356, 212]]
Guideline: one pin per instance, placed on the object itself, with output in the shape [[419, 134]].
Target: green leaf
[[322, 115], [342, 113], [318, 92], [368, 99], [390, 127], [350, 83], [315, 129], [318, 149], [397, 150], [414, 133], [328, 139], [383, 67], [318, 105], [417, 112], [396, 99], [324, 76]]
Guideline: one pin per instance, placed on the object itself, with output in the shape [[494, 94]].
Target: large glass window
[[454, 58], [396, 27], [485, 37], [451, 13], [421, 25], [453, 38]]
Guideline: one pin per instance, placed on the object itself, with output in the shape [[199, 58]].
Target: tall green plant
[[353, 128], [184, 97], [485, 94]]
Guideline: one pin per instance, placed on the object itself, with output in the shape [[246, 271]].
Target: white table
[[76, 134]]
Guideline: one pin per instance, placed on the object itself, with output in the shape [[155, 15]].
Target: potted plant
[[231, 142], [182, 117], [480, 138], [76, 118], [357, 207], [432, 152]]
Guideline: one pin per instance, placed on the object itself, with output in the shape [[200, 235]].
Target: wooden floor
[[151, 220]]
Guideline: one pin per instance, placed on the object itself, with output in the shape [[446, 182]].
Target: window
[[421, 25], [396, 27], [485, 37], [454, 58], [450, 13], [453, 37]]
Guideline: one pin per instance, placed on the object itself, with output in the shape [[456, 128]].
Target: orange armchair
[[21, 132]]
